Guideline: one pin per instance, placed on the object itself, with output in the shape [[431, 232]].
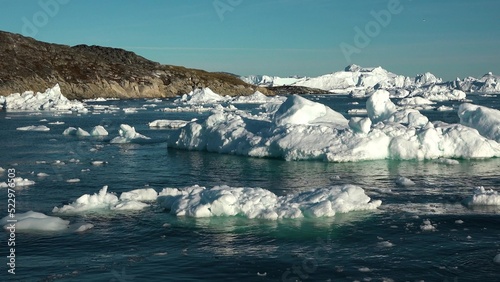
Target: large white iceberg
[[51, 99], [196, 201], [305, 130], [485, 120], [200, 96]]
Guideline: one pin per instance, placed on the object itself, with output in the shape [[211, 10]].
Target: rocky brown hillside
[[92, 71]]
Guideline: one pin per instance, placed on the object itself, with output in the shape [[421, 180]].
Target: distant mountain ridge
[[84, 71]]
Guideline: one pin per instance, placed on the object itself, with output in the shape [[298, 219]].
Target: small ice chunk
[[427, 226], [385, 244], [70, 131], [459, 221], [98, 163], [34, 128], [127, 134], [35, 221], [403, 181], [447, 161], [483, 197], [99, 131], [82, 133], [84, 227], [73, 180], [42, 174], [496, 259], [165, 123], [101, 201]]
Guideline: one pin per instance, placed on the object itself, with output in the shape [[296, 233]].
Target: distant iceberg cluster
[[300, 129], [361, 82]]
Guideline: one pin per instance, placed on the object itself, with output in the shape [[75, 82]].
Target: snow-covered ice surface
[[485, 120], [199, 201]]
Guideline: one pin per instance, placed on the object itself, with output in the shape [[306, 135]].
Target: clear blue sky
[[449, 38]]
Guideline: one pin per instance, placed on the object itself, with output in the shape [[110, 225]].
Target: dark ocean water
[[152, 245]]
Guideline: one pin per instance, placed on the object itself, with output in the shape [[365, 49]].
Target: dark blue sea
[[387, 244]]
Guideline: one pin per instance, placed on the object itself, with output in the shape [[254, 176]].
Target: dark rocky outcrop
[[287, 90], [92, 71]]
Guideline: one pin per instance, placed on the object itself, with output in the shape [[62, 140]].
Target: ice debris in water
[[103, 201], [497, 259], [427, 226], [96, 131], [483, 197], [18, 182], [403, 181], [36, 222], [196, 201], [127, 134]]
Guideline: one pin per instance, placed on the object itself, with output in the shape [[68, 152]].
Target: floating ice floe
[[165, 123], [104, 201], [36, 222], [98, 131], [304, 130], [18, 182], [485, 120], [51, 99], [403, 181], [427, 225], [34, 128], [127, 134], [201, 96], [196, 201], [483, 197], [496, 259], [257, 98]]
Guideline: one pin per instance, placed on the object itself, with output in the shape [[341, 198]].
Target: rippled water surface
[[152, 245]]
